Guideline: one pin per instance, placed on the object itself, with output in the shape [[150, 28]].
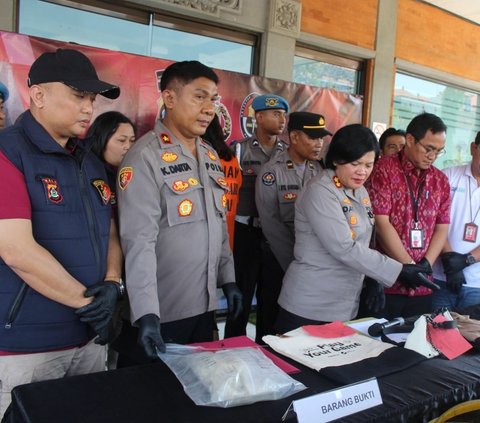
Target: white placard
[[338, 403]]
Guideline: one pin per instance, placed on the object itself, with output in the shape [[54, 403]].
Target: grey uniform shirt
[[333, 227], [277, 189], [251, 157], [172, 227]]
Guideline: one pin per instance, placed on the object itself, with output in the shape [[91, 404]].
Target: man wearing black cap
[[277, 188], [254, 261], [59, 260]]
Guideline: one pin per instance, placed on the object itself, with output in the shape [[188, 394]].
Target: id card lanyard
[[416, 233], [470, 230]]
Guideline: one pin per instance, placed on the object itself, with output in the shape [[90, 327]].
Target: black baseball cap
[[310, 123], [72, 68]]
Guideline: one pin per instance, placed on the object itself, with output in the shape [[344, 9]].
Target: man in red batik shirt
[[411, 203]]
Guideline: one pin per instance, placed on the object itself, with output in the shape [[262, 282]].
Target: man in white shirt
[[457, 270]]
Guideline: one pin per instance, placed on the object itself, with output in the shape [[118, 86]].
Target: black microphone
[[377, 328]]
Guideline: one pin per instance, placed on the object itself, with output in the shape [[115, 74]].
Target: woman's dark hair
[[389, 133], [103, 127], [216, 137], [351, 143]]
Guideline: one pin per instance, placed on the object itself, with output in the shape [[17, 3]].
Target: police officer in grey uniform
[[172, 218], [283, 177], [254, 261]]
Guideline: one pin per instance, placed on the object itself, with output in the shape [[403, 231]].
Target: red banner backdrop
[[140, 97]]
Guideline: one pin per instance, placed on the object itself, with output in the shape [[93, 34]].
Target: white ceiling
[[468, 9]]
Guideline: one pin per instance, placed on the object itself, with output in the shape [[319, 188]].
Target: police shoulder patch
[[125, 176], [103, 190], [268, 178]]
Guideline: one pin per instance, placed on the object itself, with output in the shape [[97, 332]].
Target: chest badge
[[185, 208], [125, 176], [193, 181], [169, 157], [290, 196], [211, 156], [224, 201], [180, 186], [222, 182], [353, 219], [52, 190], [103, 189]]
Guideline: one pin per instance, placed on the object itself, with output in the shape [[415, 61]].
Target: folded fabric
[[318, 353]]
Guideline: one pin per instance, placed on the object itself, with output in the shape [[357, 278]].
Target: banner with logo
[[140, 99]]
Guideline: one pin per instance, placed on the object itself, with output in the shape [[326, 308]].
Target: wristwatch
[[470, 259]]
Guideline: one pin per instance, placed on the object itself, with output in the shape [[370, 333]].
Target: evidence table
[[151, 393]]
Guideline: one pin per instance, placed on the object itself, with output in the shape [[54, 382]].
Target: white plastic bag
[[228, 377]]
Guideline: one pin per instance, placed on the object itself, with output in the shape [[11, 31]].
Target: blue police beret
[[3, 92], [269, 102]]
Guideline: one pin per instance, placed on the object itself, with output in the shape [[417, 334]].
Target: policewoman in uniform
[[172, 198], [277, 188], [333, 227], [253, 258]]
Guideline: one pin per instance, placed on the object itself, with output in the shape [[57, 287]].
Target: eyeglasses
[[429, 151]]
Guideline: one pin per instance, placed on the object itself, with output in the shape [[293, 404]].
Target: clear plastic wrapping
[[229, 377]]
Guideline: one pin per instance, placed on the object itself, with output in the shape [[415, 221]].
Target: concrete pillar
[[384, 70], [8, 17]]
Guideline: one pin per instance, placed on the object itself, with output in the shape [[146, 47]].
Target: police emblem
[[222, 182], [247, 115], [52, 190], [366, 201], [268, 179], [224, 201], [185, 208], [180, 186], [290, 196], [347, 201], [193, 181], [125, 176], [165, 138], [353, 219], [271, 102], [169, 157], [211, 156], [103, 189]]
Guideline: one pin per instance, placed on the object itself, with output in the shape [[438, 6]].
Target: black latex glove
[[412, 276], [100, 311], [150, 336], [455, 281], [425, 264], [374, 295], [234, 300], [453, 262], [106, 334]]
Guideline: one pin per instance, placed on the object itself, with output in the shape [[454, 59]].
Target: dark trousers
[[186, 331], [255, 266], [287, 321], [404, 306]]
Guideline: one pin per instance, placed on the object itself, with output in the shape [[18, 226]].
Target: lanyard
[[472, 218], [415, 200]]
